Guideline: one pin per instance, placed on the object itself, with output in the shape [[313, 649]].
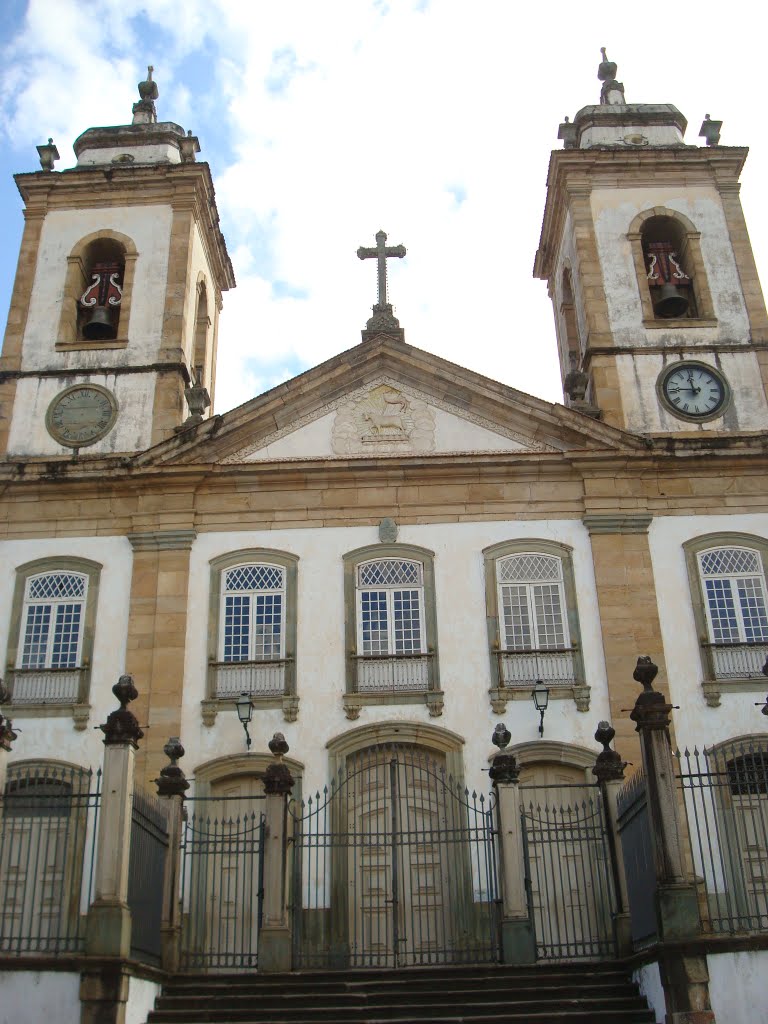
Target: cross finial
[[383, 318]]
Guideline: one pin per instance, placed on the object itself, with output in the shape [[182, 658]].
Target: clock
[[693, 391], [81, 415]]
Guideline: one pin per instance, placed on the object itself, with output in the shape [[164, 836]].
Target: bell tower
[[111, 338], [660, 318]]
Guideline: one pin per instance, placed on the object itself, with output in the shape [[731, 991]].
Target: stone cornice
[[617, 522], [612, 166], [163, 540]]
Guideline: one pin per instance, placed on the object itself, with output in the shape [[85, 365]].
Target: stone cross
[[381, 253]]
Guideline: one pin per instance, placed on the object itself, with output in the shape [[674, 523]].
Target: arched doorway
[[394, 863]]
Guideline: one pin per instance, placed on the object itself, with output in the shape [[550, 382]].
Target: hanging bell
[[671, 302], [100, 326]]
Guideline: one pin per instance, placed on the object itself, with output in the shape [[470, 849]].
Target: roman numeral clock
[[693, 391]]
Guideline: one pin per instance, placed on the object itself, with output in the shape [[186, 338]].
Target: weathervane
[[383, 318]]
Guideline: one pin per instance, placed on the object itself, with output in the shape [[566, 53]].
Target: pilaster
[[275, 934], [157, 627], [629, 617]]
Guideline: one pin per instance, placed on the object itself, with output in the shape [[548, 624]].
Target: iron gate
[[146, 866], [222, 883], [394, 865], [568, 871]]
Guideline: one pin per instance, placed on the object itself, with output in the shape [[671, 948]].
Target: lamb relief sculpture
[[383, 420]]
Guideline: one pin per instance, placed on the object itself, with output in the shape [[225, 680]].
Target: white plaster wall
[[31, 997], [612, 135], [644, 412], [614, 210], [695, 723], [738, 986], [648, 980], [198, 264], [135, 394], [163, 153], [150, 228], [462, 645], [141, 1000], [452, 433], [56, 737]]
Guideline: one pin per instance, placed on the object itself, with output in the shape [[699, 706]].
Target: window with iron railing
[[733, 582], [252, 638], [51, 636]]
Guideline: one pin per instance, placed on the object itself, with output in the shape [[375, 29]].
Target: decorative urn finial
[[608, 765], [172, 781], [121, 725], [144, 111]]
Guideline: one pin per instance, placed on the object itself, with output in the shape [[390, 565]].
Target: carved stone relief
[[383, 420]]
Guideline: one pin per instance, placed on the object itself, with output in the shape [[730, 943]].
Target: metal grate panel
[[254, 577], [730, 561], [390, 572], [529, 568], [56, 585]]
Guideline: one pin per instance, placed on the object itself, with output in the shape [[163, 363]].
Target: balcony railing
[[736, 661], [399, 673], [48, 685], [524, 668], [259, 678]]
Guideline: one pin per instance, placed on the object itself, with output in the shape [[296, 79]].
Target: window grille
[[253, 613], [531, 602], [734, 587], [54, 607]]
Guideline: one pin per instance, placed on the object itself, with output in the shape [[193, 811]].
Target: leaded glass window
[[390, 607], [531, 602], [734, 587], [253, 603], [52, 620]]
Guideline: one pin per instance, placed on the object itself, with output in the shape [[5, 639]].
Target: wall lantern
[[540, 695], [245, 714]]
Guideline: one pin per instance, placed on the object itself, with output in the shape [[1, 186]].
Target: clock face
[[693, 391], [81, 415]]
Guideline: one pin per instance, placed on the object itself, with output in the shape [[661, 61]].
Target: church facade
[[388, 549]]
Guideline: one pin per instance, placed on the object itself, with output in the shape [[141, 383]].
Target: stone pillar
[[517, 939], [626, 594], [609, 772], [7, 736], [275, 931], [171, 787], [104, 986], [685, 977]]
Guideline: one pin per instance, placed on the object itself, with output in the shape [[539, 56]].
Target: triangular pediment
[[385, 399]]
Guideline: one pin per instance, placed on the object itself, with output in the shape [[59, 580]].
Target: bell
[[100, 326], [671, 302]]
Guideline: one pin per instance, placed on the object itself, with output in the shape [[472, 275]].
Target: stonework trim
[[714, 688], [691, 258], [430, 737], [56, 564], [76, 281], [163, 540], [532, 752], [230, 766], [617, 522], [533, 545], [255, 556], [375, 551]]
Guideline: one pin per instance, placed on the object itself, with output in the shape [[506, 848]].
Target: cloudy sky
[[324, 121]]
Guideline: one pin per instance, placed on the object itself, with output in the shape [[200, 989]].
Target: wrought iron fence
[[146, 865], [726, 803], [399, 673], [568, 871], [394, 865], [48, 819], [222, 883], [524, 668], [736, 661], [637, 850]]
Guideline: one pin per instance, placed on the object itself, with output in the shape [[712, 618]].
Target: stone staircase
[[583, 993]]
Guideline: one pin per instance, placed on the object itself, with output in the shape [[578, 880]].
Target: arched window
[[391, 628], [252, 637], [730, 603], [97, 292], [51, 636], [532, 622], [672, 281]]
